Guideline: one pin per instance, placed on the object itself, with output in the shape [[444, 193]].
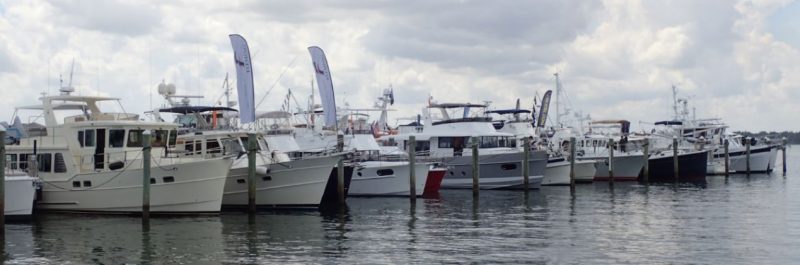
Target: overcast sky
[[739, 61]]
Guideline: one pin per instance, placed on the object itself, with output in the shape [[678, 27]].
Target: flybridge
[[87, 105]]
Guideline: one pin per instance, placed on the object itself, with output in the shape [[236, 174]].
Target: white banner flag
[[244, 79], [325, 84]]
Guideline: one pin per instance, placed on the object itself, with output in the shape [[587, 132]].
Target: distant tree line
[[791, 137]]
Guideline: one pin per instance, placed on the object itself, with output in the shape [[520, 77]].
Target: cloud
[[128, 18], [617, 59]]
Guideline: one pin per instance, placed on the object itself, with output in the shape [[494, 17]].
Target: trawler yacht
[[282, 182], [448, 138], [373, 175], [594, 145], [90, 160], [518, 123]]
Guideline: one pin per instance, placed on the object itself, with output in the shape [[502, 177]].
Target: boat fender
[[263, 171], [116, 165]]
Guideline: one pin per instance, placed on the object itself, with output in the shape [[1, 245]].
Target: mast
[[675, 101], [227, 88], [558, 107]]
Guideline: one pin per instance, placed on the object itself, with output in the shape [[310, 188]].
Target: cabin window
[[59, 166], [389, 142], [194, 147], [88, 138], [244, 142], [45, 162], [173, 137], [11, 161], [212, 146], [135, 138], [116, 138], [445, 142], [231, 146], [422, 146], [512, 142], [80, 138], [385, 172], [23, 161], [159, 138], [490, 142]]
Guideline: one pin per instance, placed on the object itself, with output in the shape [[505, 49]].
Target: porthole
[[87, 183], [76, 184], [240, 181], [266, 178], [508, 166], [385, 172], [168, 179]]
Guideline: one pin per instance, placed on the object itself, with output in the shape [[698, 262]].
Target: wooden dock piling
[[783, 154], [146, 151], [727, 159], [526, 163], [646, 168], [412, 178], [251, 172], [572, 162], [675, 166], [747, 153], [476, 171], [3, 187], [611, 146], [340, 169]]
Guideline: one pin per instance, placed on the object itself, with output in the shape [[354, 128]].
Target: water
[[739, 220]]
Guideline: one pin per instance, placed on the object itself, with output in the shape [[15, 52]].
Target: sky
[[735, 60]]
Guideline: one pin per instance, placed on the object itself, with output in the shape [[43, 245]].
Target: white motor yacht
[[90, 160]]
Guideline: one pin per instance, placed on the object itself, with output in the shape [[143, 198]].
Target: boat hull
[[692, 167], [187, 187], [292, 184], [331, 195], [434, 181], [557, 173], [497, 171], [20, 191], [387, 178], [627, 167], [762, 159]]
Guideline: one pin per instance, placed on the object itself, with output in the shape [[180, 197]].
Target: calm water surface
[[741, 220]]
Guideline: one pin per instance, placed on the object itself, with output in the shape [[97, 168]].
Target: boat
[[692, 166], [711, 134], [628, 159], [90, 160], [19, 194], [558, 171], [447, 139], [209, 132], [372, 175], [520, 123]]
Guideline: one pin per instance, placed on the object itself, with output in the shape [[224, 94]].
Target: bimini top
[[456, 105], [610, 122], [669, 123], [278, 114], [509, 111], [194, 109]]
